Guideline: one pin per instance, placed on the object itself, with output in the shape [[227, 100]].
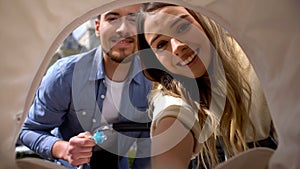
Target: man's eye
[[183, 27], [111, 19], [132, 19]]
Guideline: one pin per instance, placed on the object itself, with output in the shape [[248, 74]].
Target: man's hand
[[77, 151]]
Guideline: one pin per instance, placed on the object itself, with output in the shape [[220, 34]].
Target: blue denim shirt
[[69, 101]]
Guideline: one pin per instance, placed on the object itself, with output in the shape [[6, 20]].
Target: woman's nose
[[177, 47]]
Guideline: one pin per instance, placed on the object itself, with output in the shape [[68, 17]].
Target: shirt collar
[[97, 69]]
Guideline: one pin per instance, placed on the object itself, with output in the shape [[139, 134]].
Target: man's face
[[117, 31]]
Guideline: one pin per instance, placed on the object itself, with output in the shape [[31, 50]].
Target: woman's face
[[178, 41]]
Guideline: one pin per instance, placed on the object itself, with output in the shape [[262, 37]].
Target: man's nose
[[123, 26], [177, 47]]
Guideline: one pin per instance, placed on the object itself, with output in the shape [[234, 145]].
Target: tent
[[268, 31]]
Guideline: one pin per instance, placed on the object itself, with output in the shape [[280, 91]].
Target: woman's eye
[[183, 27], [161, 44]]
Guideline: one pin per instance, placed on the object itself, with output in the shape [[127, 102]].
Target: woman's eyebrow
[[179, 19], [154, 39], [173, 24]]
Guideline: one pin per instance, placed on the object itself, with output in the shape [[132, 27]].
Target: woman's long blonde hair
[[235, 118]]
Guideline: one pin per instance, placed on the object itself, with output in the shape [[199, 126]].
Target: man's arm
[[47, 112]]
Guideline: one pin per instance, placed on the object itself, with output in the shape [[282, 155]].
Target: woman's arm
[[172, 145]]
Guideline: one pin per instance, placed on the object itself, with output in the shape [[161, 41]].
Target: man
[[86, 91]]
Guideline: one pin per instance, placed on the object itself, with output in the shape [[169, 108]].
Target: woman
[[201, 95]]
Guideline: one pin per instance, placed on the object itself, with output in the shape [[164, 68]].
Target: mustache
[[117, 39], [123, 36]]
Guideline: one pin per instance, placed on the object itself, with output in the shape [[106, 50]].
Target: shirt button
[[83, 113], [94, 120], [102, 96]]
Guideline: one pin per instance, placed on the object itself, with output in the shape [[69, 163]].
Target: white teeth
[[188, 60]]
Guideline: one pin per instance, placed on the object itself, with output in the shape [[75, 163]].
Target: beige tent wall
[[268, 31]]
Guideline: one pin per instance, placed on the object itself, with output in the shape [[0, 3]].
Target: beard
[[121, 57]]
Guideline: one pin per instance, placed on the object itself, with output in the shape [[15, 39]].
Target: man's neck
[[116, 71]]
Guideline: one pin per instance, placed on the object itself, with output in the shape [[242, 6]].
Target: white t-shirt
[[112, 101], [111, 109]]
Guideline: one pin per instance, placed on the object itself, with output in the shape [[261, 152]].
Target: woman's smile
[[189, 60]]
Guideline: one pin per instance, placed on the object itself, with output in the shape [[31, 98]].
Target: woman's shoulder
[[162, 102]]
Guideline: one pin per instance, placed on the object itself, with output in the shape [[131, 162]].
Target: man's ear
[[97, 27]]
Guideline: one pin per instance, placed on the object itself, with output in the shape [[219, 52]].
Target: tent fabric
[[36, 163], [268, 32], [256, 158]]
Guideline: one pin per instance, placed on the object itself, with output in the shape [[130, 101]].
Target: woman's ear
[[97, 27]]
